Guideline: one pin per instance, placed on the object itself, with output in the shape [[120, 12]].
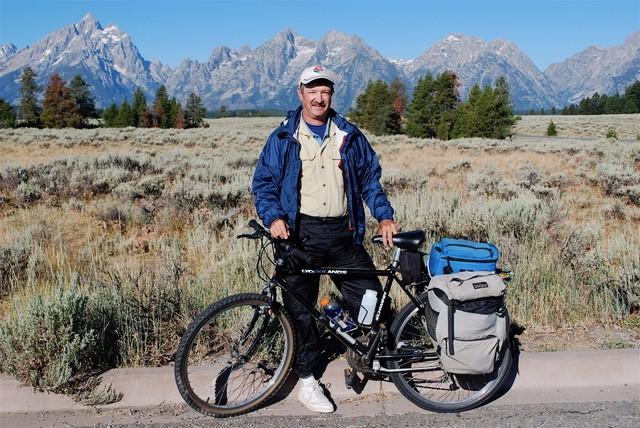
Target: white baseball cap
[[315, 72]]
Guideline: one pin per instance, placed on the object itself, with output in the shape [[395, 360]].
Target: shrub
[[611, 133], [14, 259], [551, 129], [489, 182], [50, 342], [28, 192]]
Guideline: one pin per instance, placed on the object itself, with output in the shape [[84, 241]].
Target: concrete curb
[[564, 376]]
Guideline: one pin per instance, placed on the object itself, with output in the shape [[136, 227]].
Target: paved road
[[588, 414], [555, 389]]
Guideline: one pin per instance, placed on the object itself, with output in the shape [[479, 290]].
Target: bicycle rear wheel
[[432, 388], [234, 355]]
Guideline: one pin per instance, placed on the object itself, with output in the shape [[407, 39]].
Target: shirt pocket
[[308, 159], [334, 154]]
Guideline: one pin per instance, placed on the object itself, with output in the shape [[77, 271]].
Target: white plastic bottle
[[367, 307]]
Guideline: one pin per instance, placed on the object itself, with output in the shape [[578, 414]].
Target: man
[[310, 181]]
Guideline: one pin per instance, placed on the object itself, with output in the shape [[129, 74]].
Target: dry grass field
[[112, 239], [627, 126]]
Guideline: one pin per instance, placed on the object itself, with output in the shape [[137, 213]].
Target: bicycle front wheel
[[234, 355], [429, 386]]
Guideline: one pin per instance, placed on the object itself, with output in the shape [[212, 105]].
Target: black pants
[[330, 244]]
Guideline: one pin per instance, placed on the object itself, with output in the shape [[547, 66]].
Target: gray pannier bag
[[471, 325]]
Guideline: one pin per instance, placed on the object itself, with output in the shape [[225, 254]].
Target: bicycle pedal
[[349, 375], [353, 381]]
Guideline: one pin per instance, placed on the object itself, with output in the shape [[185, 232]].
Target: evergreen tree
[[632, 92], [487, 113], [629, 107], [174, 111], [194, 112], [125, 116], [503, 117], [470, 121], [83, 98], [7, 115], [422, 109], [59, 110], [431, 112], [551, 129], [109, 116], [447, 101], [374, 109], [162, 108], [139, 108], [29, 97]]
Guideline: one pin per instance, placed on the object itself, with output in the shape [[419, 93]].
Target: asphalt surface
[[551, 389], [590, 414]]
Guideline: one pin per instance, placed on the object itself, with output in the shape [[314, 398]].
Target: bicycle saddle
[[405, 240]]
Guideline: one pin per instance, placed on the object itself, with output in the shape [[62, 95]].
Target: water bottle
[[336, 315], [367, 307]]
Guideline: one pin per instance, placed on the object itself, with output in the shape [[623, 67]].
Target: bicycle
[[237, 353]]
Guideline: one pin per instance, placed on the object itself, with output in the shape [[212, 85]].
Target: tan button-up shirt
[[322, 184]]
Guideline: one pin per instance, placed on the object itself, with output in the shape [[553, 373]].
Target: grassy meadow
[[112, 239]]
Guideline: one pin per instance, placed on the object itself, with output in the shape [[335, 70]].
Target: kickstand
[[353, 381]]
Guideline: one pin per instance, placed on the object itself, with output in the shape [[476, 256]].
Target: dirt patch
[[578, 338]]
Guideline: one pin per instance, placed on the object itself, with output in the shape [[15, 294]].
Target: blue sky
[[170, 30]]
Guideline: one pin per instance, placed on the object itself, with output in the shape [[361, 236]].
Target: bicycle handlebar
[[289, 248]]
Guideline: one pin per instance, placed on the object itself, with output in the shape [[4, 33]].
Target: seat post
[[396, 257]]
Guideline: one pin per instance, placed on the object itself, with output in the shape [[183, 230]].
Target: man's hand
[[388, 228], [279, 229]]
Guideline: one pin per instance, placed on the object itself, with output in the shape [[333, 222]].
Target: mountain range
[[265, 77]]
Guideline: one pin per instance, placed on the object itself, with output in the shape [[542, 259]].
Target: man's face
[[316, 100]]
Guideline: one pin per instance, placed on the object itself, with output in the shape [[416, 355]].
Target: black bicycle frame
[[369, 352]]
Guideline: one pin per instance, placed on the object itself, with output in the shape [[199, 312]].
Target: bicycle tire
[[234, 355], [436, 390]]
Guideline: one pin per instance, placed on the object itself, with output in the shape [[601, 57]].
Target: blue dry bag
[[459, 255]]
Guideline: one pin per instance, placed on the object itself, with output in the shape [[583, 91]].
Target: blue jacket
[[276, 181]]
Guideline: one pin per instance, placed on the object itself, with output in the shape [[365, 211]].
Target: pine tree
[[174, 110], [194, 112], [139, 108], [83, 98], [125, 116], [59, 110], [109, 116], [469, 121], [551, 129], [503, 118], [29, 97], [422, 109], [374, 110], [7, 115], [447, 100], [432, 109], [162, 108], [632, 93]]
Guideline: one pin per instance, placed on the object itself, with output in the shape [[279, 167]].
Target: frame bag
[[459, 255], [412, 267], [471, 326]]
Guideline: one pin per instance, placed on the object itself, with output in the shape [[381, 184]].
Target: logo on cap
[[318, 68]]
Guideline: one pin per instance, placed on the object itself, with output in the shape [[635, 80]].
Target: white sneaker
[[313, 398]]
